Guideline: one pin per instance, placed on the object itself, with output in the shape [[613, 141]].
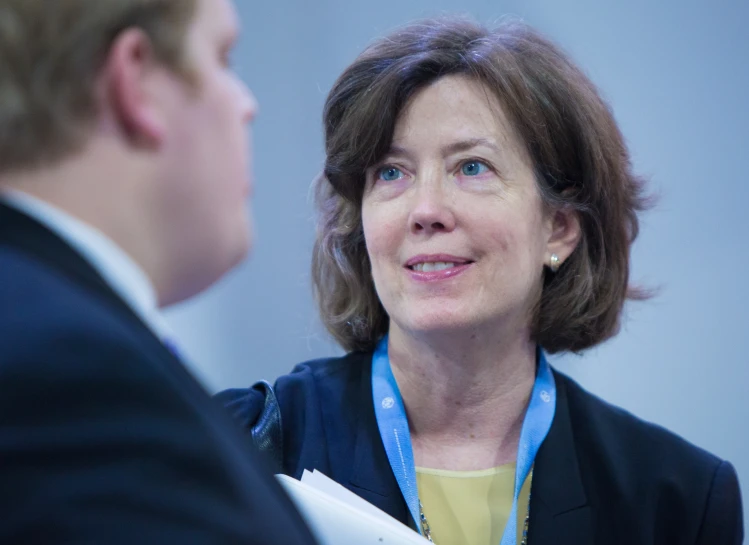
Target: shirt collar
[[114, 265]]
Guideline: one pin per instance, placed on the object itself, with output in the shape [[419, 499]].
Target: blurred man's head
[[127, 114]]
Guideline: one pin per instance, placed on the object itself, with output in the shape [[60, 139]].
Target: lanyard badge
[[393, 425]]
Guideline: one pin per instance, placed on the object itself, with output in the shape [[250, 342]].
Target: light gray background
[[677, 76]]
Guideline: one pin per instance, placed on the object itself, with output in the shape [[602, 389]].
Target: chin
[[443, 322], [238, 242], [247, 235], [235, 257]]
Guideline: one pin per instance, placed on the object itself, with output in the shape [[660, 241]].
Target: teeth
[[429, 267]]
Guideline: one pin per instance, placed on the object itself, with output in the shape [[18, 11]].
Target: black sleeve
[[97, 446], [257, 411], [245, 405], [722, 523]]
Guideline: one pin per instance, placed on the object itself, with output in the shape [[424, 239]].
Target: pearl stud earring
[[554, 262]]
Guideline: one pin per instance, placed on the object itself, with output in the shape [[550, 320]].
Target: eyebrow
[[465, 145], [453, 148]]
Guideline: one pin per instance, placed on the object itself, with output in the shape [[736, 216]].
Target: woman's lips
[[436, 276], [436, 267]]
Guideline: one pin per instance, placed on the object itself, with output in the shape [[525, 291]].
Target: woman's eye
[[473, 168], [389, 174]]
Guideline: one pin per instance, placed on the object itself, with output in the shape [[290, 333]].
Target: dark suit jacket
[[601, 476], [104, 436]]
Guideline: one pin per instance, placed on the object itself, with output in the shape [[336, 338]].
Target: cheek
[[522, 264], [223, 104], [502, 238], [515, 236], [227, 142], [382, 234]]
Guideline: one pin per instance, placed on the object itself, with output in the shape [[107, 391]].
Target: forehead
[[454, 107]]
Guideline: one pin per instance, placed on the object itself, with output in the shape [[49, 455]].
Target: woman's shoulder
[[346, 367], [326, 385], [299, 388], [309, 414], [630, 461], [608, 426], [612, 441]]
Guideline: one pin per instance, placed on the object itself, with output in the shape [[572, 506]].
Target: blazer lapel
[[25, 235], [371, 476], [559, 512]]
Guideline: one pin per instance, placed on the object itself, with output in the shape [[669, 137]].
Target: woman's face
[[453, 221]]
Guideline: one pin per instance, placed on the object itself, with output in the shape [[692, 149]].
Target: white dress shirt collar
[[116, 267]]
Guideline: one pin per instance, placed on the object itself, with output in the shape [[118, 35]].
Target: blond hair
[[50, 56]]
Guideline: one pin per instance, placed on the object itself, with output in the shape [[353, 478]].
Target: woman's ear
[[564, 235]]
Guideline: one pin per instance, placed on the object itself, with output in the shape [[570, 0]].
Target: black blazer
[[104, 435], [601, 476]]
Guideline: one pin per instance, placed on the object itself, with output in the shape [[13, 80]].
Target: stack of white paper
[[337, 516]]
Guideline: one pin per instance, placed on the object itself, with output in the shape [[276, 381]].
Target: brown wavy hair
[[579, 155]]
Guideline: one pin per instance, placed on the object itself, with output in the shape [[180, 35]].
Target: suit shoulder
[[75, 357], [34, 297], [56, 332], [82, 388]]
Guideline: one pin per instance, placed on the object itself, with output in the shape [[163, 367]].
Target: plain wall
[[677, 76]]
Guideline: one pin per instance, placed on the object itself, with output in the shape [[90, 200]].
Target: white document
[[321, 482], [337, 516]]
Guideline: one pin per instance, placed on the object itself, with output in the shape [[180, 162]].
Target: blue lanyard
[[393, 424]]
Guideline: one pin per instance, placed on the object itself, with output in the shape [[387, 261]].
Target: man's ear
[[131, 74], [565, 233]]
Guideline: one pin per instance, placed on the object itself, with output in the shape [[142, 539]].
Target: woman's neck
[[465, 396]]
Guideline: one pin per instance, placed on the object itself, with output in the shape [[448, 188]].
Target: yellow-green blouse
[[470, 507]]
